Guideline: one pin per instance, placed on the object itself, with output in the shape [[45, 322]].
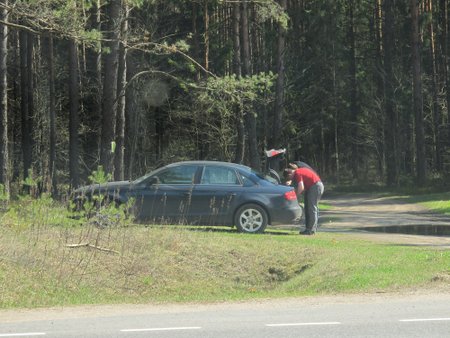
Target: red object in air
[[274, 152]]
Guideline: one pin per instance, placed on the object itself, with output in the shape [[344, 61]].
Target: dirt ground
[[354, 214]]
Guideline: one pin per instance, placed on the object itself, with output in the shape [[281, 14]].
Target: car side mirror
[[153, 180]]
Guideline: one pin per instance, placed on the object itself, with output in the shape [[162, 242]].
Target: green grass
[[324, 206], [173, 264], [438, 202], [126, 263]]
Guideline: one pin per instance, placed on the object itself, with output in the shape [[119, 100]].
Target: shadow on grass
[[424, 245], [230, 230], [220, 229], [411, 229]]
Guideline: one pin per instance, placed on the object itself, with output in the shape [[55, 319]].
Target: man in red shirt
[[306, 180]]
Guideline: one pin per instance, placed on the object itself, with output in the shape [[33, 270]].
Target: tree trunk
[[354, 109], [240, 129], [196, 36], [4, 158], [131, 120], [52, 116], [391, 113], [380, 127], [444, 24], [31, 106], [24, 104], [250, 117], [206, 34], [74, 105], [109, 102], [245, 43], [236, 40], [336, 119], [434, 88], [445, 51], [98, 74], [121, 101], [279, 91], [418, 99]]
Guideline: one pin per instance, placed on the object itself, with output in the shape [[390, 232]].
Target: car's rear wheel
[[251, 218]]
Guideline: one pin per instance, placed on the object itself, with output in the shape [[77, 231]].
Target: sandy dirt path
[[354, 214]]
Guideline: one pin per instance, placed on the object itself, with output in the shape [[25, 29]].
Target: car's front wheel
[[251, 218]]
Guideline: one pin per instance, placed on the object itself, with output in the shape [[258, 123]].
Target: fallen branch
[[91, 246]]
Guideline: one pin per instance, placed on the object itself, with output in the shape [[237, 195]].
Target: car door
[[214, 198], [167, 194]]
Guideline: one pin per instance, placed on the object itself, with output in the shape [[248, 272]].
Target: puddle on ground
[[424, 230]]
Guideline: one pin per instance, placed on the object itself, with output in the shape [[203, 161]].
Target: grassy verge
[[439, 202], [155, 264], [47, 259]]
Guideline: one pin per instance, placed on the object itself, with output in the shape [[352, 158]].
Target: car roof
[[213, 163]]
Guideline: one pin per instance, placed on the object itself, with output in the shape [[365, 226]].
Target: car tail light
[[290, 195]]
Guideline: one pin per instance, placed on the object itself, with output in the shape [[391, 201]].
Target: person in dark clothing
[[307, 182]]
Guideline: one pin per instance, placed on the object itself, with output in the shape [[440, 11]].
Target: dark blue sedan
[[207, 193]]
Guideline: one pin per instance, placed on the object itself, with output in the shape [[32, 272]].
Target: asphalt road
[[385, 315]]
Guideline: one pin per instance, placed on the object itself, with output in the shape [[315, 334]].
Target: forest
[[359, 89]]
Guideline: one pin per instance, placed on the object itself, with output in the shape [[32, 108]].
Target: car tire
[[251, 218]]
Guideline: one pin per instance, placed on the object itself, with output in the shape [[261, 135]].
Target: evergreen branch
[[172, 49], [21, 27]]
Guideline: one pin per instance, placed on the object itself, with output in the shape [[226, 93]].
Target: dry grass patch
[[50, 259], [55, 266]]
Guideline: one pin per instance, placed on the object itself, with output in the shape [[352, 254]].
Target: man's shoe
[[307, 232]]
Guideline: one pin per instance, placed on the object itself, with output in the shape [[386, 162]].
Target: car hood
[[109, 186]]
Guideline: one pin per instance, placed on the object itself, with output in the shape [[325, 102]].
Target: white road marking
[[27, 334], [163, 329], [304, 324], [424, 319]]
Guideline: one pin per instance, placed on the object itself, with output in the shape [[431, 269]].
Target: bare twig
[[80, 245]]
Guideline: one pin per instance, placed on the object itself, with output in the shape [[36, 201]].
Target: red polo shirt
[[307, 176]]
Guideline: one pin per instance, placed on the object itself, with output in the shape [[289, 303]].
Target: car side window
[[178, 175], [217, 175], [247, 182]]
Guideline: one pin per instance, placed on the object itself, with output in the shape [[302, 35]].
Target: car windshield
[[143, 178], [176, 174]]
